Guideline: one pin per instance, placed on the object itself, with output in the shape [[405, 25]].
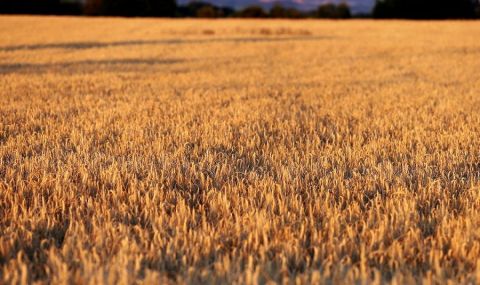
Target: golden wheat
[[250, 152]]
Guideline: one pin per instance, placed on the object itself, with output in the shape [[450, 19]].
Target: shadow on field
[[91, 45], [87, 66], [35, 246]]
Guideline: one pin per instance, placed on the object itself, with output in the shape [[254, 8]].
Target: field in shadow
[[121, 65], [92, 45]]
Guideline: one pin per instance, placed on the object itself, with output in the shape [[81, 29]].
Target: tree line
[[164, 8], [409, 9], [427, 9]]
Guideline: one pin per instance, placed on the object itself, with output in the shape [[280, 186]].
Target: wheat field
[[149, 151]]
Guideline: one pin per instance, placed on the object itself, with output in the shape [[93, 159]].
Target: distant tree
[[424, 9], [163, 8], [327, 11], [52, 7], [476, 4], [343, 11], [190, 10], [293, 13], [330, 10], [152, 8], [203, 10], [93, 7], [252, 12], [278, 11], [206, 12], [226, 12]]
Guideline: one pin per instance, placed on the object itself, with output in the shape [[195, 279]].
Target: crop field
[[140, 151]]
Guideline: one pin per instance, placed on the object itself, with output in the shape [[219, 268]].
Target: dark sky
[[356, 5]]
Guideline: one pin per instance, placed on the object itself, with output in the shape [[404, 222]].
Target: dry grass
[[160, 151]]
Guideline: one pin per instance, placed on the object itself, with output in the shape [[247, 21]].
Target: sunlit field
[[140, 151]]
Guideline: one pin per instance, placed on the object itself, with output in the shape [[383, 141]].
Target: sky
[[357, 6]]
